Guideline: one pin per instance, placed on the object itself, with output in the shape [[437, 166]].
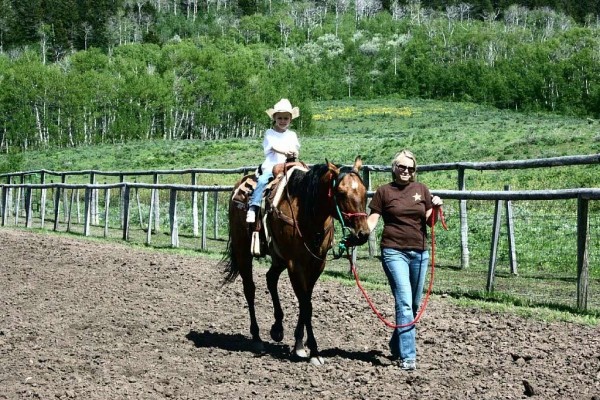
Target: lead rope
[[437, 212]]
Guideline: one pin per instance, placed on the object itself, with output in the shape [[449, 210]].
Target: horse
[[300, 226]]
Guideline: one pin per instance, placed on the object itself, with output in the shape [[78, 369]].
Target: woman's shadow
[[241, 343]]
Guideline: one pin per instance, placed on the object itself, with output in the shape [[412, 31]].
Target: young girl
[[279, 144]]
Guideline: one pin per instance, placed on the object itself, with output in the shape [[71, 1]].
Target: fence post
[[93, 216], [63, 179], [494, 246], [150, 219], [173, 218], [216, 215], [139, 206], [88, 200], [69, 215], [106, 210], [125, 204], [5, 191], [583, 223], [122, 198], [204, 216], [56, 206], [366, 177], [77, 206], [28, 208], [43, 200], [8, 202], [511, 235], [194, 206], [18, 202], [156, 205], [464, 226]]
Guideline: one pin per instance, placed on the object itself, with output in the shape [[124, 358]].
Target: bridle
[[343, 216]]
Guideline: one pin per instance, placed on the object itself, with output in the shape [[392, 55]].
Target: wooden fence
[[24, 192], [40, 176]]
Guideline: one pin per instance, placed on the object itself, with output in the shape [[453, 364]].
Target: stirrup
[[255, 245]]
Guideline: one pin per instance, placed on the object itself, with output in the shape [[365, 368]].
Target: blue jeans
[[261, 183], [406, 271]]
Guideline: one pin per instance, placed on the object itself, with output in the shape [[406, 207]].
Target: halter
[[343, 216]]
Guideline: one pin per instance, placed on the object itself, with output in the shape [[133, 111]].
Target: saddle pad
[[282, 181]]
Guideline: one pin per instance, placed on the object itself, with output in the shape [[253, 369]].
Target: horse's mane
[[305, 185]]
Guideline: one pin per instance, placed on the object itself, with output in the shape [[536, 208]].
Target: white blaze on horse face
[[354, 185]]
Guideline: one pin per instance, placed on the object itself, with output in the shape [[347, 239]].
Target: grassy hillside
[[438, 132]]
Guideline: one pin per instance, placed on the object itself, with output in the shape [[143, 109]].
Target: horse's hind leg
[[272, 280], [249, 293]]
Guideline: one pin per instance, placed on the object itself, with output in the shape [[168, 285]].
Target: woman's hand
[[436, 201]]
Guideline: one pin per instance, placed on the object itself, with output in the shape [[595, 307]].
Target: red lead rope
[[437, 212]]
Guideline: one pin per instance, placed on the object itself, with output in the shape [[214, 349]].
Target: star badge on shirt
[[417, 197]]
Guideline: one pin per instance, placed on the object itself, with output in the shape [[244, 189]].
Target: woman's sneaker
[[407, 365]]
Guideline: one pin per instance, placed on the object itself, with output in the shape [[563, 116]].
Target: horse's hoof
[[301, 353], [317, 361], [276, 334]]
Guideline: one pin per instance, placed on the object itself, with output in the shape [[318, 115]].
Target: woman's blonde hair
[[396, 162]]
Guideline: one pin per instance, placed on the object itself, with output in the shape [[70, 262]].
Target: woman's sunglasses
[[404, 168]]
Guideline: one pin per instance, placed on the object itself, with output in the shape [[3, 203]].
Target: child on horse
[[279, 144]]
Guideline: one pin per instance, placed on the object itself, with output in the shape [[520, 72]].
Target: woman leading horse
[[301, 231]]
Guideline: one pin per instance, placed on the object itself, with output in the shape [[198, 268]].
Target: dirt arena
[[91, 320]]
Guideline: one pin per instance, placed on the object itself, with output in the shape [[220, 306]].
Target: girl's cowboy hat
[[282, 106]]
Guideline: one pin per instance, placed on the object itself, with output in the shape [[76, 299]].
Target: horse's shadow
[[239, 343]]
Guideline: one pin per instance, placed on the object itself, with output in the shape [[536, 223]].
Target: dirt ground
[[85, 319]]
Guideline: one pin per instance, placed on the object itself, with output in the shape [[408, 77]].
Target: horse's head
[[350, 201]]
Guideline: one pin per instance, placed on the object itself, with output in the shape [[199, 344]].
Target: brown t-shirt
[[403, 210]]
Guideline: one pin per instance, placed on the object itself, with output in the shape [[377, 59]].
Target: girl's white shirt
[[281, 140]]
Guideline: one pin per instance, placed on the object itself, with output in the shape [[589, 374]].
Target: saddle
[[273, 191]]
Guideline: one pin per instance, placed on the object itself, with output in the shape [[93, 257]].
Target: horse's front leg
[[305, 321], [299, 349], [272, 281]]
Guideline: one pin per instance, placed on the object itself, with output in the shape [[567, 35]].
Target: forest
[[82, 72]]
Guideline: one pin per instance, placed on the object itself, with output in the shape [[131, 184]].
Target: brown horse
[[301, 229]]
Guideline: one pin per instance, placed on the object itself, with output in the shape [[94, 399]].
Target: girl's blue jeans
[[406, 271], [261, 183]]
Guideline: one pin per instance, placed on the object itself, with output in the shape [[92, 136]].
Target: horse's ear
[[357, 164], [332, 167]]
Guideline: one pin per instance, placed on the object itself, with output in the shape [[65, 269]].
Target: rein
[[437, 211]]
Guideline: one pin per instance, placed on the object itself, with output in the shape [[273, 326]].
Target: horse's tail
[[228, 263], [231, 261]]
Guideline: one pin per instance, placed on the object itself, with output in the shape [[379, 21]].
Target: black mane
[[305, 185]]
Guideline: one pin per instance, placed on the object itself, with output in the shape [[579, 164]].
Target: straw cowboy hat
[[282, 106]]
